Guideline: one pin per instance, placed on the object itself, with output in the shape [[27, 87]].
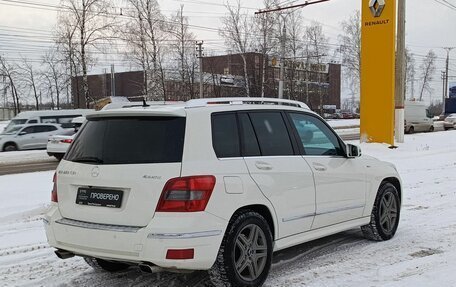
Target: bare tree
[[295, 47], [29, 76], [410, 72], [54, 75], [317, 51], [183, 46], [350, 49], [144, 35], [427, 72], [264, 28], [90, 18], [9, 73], [66, 46], [236, 31]]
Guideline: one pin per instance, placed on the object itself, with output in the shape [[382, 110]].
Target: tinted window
[[130, 140], [44, 129], [32, 122], [315, 136], [249, 141], [272, 133], [225, 137], [29, 130]]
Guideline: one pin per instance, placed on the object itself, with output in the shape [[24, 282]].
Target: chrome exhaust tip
[[149, 268], [63, 254]]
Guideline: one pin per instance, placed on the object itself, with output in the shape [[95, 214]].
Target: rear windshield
[[129, 140]]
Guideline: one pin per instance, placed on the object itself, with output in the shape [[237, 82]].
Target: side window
[[249, 141], [29, 130], [272, 133], [48, 129], [225, 136], [49, 120], [315, 136], [32, 122]]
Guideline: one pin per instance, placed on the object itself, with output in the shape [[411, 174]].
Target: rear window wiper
[[88, 159]]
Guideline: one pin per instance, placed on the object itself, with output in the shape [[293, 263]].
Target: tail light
[[54, 197], [186, 194], [68, 141]]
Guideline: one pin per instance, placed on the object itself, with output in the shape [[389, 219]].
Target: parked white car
[[29, 136], [58, 145], [213, 184], [450, 122]]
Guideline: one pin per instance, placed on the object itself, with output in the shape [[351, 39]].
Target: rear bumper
[[201, 231]]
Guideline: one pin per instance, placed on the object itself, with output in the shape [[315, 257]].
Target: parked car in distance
[[62, 117], [450, 122], [58, 145], [417, 118], [29, 136], [213, 184]]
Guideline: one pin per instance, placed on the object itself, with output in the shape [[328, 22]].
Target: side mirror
[[353, 151], [21, 133]]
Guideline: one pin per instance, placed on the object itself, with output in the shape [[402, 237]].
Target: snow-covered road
[[423, 253]]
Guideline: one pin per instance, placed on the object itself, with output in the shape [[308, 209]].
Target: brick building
[[224, 77]]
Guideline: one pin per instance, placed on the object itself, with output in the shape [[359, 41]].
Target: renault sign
[[378, 44]]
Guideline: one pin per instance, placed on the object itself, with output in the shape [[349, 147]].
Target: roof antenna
[[145, 105]]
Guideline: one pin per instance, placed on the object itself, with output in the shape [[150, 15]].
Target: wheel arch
[[264, 211], [397, 184], [9, 143]]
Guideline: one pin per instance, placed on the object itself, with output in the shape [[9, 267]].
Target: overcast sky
[[430, 25]]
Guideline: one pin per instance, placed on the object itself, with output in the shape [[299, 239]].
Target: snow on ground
[[24, 156], [343, 123], [423, 252]]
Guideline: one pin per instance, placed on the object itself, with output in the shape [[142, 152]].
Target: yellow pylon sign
[[378, 45]]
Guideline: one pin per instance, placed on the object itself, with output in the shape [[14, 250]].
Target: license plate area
[[99, 197]]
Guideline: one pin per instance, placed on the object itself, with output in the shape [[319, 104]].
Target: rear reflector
[[180, 254], [186, 194], [54, 197]]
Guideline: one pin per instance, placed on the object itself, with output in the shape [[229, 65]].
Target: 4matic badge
[[376, 7]]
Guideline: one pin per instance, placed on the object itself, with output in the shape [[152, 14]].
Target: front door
[[282, 175], [340, 181]]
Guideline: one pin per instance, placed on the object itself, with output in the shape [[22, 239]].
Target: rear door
[[115, 170], [340, 181], [42, 134], [282, 175]]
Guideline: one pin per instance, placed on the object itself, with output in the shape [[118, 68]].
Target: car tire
[[385, 214], [431, 129], [100, 264], [248, 243], [10, 147], [411, 130]]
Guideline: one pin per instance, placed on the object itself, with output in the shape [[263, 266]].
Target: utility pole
[[445, 87], [443, 91], [113, 81], [282, 59], [199, 49], [400, 73]]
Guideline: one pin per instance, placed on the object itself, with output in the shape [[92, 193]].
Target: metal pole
[[282, 59], [443, 92], [400, 73], [113, 81], [199, 49], [445, 87]]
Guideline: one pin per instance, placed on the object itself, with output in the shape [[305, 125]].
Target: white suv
[[214, 184]]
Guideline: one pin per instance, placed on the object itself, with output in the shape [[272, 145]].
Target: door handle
[[263, 165], [319, 167]]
